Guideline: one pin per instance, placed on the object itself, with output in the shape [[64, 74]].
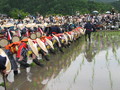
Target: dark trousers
[[88, 34]]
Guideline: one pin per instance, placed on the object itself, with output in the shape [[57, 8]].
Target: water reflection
[[82, 66], [89, 52], [100, 74], [37, 78]]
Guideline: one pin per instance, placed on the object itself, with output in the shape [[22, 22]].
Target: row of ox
[[27, 51]]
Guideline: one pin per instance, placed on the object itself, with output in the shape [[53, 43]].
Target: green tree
[[64, 7], [15, 13]]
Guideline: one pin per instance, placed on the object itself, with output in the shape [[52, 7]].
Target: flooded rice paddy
[[82, 66]]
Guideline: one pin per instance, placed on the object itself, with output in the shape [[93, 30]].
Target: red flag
[[19, 34], [40, 30], [27, 33], [9, 35]]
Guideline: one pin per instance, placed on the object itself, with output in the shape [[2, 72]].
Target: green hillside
[[105, 0], [64, 7], [116, 5]]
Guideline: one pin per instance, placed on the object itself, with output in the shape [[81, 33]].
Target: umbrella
[[95, 12], [108, 12]]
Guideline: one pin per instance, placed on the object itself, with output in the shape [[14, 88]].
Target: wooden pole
[[3, 75]]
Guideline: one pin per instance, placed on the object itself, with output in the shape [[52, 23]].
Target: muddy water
[[82, 66]]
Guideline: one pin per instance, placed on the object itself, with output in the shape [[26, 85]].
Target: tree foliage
[[44, 7], [116, 4], [16, 13]]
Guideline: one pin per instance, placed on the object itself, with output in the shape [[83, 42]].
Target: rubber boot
[[24, 64], [46, 58], [36, 61]]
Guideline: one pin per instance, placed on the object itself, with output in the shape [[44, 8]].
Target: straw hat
[[57, 24], [42, 45], [8, 25], [40, 25], [33, 24], [36, 25], [57, 40], [45, 24], [7, 64], [27, 18], [50, 43], [66, 39], [69, 36], [49, 25], [2, 26], [21, 26], [33, 46], [28, 25]]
